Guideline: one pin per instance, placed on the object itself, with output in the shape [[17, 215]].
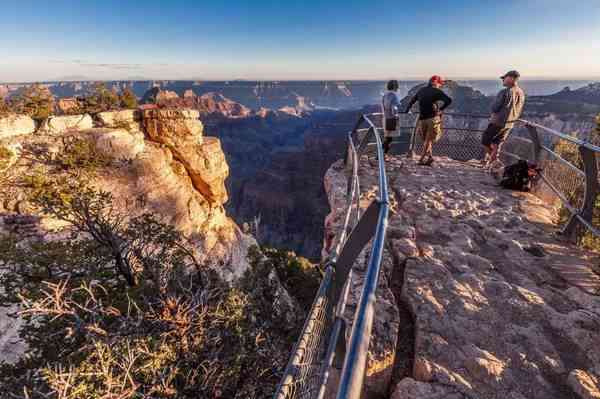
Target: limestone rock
[[65, 124], [15, 125], [491, 318], [118, 143], [412, 389], [129, 119], [584, 384], [203, 158]]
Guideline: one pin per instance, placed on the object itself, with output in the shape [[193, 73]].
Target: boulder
[[584, 384], [118, 143], [129, 119], [412, 389], [15, 125], [65, 124], [203, 158]]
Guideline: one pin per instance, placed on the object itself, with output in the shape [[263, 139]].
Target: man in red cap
[[430, 115]]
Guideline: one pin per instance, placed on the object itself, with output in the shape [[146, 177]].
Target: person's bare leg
[[426, 146], [487, 155], [493, 153], [430, 149]]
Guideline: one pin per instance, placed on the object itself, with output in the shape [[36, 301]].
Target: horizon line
[[406, 79]]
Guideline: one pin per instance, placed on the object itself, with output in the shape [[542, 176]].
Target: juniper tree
[[35, 101], [128, 99]]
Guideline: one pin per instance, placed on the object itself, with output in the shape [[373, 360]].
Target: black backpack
[[519, 176]]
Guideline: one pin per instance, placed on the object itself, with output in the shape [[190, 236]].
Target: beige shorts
[[430, 129]]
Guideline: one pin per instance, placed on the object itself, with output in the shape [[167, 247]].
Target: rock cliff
[[159, 162], [501, 308]]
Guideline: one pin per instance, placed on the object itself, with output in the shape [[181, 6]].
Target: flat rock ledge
[[502, 308]]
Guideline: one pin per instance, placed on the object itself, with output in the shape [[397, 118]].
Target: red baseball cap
[[436, 79]]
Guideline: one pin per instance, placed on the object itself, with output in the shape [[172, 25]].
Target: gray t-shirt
[[507, 107], [390, 105]]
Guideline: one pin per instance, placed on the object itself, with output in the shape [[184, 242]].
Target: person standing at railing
[[429, 124], [506, 109], [391, 108]]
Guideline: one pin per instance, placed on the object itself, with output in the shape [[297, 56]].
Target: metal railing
[[322, 345], [575, 185]]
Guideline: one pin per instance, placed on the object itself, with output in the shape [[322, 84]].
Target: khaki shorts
[[430, 129]]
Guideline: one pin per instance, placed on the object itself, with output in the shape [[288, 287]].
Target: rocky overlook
[[159, 162], [163, 164], [477, 297]]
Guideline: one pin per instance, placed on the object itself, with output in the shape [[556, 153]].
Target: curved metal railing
[[575, 185], [323, 347], [322, 343]]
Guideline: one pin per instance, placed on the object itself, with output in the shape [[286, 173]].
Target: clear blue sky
[[335, 39]]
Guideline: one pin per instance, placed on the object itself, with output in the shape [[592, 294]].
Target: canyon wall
[[160, 164]]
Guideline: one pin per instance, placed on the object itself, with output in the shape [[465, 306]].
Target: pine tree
[[35, 101], [101, 99], [128, 99]]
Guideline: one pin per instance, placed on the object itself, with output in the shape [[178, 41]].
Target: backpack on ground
[[520, 176]]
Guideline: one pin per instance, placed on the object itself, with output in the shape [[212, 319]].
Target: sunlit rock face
[[15, 125], [203, 159], [67, 123], [161, 165], [130, 119]]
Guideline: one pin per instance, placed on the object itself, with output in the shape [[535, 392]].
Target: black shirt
[[427, 97]]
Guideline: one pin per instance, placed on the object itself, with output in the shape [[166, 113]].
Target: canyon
[[280, 147]]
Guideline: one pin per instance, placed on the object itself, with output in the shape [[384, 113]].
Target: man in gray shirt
[[506, 109]]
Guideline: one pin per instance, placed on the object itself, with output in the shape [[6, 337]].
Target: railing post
[[535, 141], [590, 167]]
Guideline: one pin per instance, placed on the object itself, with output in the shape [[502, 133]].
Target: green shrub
[[4, 107], [570, 152], [35, 101], [5, 157], [101, 99], [128, 99], [81, 155], [90, 334], [300, 278]]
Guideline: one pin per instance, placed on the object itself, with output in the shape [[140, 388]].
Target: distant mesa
[[208, 104]]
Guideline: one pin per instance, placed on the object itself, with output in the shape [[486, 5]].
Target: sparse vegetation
[[4, 107], [35, 101], [101, 99], [81, 155], [123, 309], [570, 152], [5, 156], [128, 100]]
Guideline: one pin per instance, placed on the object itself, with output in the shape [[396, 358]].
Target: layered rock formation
[[67, 123], [501, 308], [162, 164], [15, 125]]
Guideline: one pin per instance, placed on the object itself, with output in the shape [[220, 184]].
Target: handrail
[[353, 371], [322, 345], [563, 136], [332, 295]]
